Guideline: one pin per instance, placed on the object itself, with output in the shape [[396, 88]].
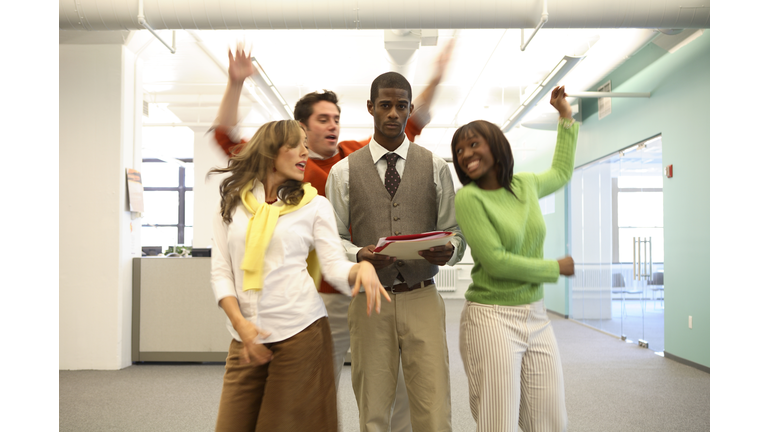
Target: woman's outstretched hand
[[367, 278], [558, 101]]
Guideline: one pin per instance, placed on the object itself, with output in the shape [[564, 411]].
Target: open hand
[[367, 278], [379, 261], [240, 65], [438, 255], [558, 101], [443, 59]]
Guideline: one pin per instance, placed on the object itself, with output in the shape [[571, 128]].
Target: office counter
[[175, 318]]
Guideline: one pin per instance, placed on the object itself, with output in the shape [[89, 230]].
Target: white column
[[97, 142]]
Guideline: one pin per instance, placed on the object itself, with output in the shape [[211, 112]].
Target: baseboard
[[182, 357], [686, 362], [557, 313]]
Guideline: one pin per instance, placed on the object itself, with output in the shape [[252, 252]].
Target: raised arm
[[240, 68], [420, 117], [565, 149]]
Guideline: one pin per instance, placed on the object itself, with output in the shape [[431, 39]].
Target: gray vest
[[373, 213]]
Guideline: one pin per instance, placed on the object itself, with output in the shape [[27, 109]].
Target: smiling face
[[476, 160], [292, 161], [323, 128], [390, 113]]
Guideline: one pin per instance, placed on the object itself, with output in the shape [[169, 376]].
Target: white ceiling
[[484, 80]]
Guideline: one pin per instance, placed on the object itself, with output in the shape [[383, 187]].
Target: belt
[[403, 287]]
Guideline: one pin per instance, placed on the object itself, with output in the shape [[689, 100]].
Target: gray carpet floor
[[610, 386]]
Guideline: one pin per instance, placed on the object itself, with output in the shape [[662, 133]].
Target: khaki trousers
[[337, 306], [292, 393], [411, 328]]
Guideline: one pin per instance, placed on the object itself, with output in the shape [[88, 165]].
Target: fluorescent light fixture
[[553, 73], [278, 102], [547, 84], [251, 87]]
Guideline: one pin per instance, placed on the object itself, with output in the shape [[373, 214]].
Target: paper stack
[[408, 246]]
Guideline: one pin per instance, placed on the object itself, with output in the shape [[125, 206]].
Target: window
[[168, 202]]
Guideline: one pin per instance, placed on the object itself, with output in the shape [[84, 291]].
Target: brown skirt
[[295, 392]]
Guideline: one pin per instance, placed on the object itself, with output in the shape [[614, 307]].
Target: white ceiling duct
[[106, 15]]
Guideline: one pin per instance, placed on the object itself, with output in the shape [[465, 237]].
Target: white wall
[[96, 144], [207, 155]]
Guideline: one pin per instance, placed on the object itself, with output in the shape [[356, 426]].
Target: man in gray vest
[[395, 187]]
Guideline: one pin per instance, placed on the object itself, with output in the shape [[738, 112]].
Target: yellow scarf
[[259, 233]]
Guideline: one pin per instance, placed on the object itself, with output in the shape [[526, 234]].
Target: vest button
[[397, 232], [396, 218], [395, 204], [400, 263]]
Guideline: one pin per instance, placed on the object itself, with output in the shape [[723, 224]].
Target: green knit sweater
[[506, 234]]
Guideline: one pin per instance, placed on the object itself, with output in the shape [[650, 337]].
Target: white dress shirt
[[337, 192], [289, 301]]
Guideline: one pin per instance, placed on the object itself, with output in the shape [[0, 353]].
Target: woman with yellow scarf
[[279, 372]]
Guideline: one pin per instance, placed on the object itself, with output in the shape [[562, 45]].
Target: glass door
[[617, 243]]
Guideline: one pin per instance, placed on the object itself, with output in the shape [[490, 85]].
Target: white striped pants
[[513, 368]]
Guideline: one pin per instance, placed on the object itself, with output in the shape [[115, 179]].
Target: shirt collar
[[318, 156], [377, 151]]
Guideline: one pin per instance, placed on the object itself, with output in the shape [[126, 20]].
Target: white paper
[[409, 249]]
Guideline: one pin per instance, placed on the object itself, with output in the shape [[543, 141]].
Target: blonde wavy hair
[[254, 160]]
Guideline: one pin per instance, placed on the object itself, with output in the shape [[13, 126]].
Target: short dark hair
[[500, 149], [390, 80], [304, 107]]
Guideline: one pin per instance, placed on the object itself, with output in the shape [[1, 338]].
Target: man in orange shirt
[[320, 114]]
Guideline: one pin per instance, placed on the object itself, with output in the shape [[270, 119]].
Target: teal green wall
[[678, 109]]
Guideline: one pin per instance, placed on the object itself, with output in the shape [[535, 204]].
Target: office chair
[[657, 285]]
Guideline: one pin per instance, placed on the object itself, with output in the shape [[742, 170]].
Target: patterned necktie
[[391, 177]]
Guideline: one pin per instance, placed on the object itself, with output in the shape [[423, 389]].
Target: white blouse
[[289, 301]]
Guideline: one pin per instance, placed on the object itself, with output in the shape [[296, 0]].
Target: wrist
[[566, 122], [237, 82], [239, 324]]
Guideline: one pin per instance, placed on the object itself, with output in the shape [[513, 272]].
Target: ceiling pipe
[[107, 15], [608, 94], [143, 22], [542, 21]]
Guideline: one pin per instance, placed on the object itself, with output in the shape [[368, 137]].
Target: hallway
[[610, 386]]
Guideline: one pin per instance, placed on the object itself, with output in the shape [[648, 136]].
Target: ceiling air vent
[[604, 103], [145, 108]]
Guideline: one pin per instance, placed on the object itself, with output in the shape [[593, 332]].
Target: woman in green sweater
[[507, 344]]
